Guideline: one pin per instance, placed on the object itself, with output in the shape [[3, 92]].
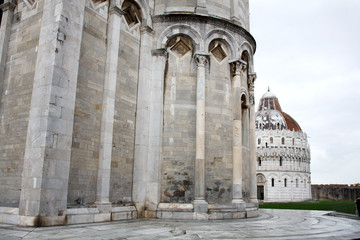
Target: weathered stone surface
[[111, 110]]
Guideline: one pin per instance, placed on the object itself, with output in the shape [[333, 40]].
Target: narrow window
[[272, 182], [281, 161], [259, 141], [293, 141], [266, 145], [282, 140], [259, 160], [285, 182], [271, 140], [304, 182], [297, 183]]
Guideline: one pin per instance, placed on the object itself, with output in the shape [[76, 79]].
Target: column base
[[104, 207], [41, 221], [201, 206], [239, 204]]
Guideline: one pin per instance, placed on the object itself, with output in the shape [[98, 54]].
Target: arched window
[[285, 182], [281, 161], [259, 141], [293, 141], [297, 182], [283, 140], [266, 145], [259, 161], [272, 182], [271, 140]]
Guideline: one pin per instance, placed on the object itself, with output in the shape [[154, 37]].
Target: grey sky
[[308, 52]]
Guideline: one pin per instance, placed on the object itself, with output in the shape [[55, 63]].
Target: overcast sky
[[308, 52]]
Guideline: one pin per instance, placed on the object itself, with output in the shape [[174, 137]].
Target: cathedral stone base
[[92, 214]]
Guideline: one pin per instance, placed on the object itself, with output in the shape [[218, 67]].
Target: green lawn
[[338, 206]]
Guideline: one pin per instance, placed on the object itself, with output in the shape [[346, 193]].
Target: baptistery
[[282, 154]]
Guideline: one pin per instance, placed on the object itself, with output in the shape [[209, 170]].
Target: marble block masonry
[[122, 109]]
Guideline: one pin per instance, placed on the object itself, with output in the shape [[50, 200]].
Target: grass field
[[338, 206]]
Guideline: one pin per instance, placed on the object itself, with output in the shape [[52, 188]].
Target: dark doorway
[[260, 192]]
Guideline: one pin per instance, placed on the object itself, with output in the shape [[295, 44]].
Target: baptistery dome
[[282, 153], [270, 115]]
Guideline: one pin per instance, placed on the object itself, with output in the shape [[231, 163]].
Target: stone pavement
[[271, 224]]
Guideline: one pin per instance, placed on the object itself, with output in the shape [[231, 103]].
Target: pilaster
[[108, 106], [200, 205], [253, 187], [234, 11], [7, 9], [140, 174], [159, 57], [43, 198], [201, 7]]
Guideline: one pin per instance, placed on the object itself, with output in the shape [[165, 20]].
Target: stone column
[[200, 205], [159, 57], [252, 145], [7, 9], [140, 178], [237, 198], [201, 7], [45, 176], [108, 106]]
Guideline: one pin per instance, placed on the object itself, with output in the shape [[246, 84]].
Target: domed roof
[[270, 115]]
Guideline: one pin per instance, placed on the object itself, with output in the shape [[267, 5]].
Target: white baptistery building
[[283, 154]]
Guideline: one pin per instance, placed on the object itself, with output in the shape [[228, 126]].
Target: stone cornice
[[220, 22]]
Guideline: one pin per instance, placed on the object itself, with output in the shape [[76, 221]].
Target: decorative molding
[[201, 59], [218, 22], [238, 66]]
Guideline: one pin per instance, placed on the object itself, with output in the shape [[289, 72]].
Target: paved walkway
[[271, 224]]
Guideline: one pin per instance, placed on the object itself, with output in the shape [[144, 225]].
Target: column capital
[[159, 52], [251, 78], [238, 66], [146, 29], [115, 9], [8, 5], [201, 59]]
